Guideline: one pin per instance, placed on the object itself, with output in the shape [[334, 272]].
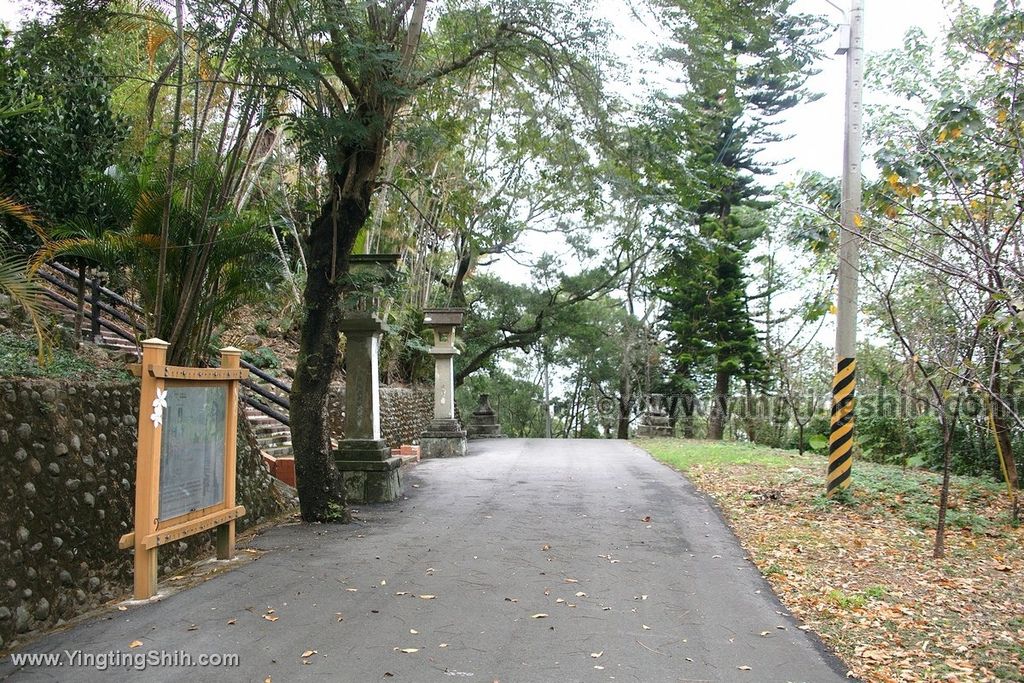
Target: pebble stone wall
[[405, 413], [67, 473]]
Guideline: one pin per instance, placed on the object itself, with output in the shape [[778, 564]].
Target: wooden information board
[[185, 472]]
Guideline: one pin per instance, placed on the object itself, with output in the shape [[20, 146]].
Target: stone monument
[[445, 437], [655, 421], [370, 473], [483, 424]]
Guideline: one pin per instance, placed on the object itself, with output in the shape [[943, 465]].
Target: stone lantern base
[[369, 472], [483, 423], [443, 439]]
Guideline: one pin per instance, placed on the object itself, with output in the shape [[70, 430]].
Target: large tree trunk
[[622, 424], [750, 416], [321, 493], [718, 412], [459, 284]]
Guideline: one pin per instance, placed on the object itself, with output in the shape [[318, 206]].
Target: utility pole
[[844, 383]]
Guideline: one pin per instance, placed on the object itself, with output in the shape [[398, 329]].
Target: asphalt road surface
[[546, 561]]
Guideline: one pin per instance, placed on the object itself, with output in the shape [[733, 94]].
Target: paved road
[[519, 528]]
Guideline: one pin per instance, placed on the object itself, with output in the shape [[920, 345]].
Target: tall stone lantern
[[445, 437], [370, 474]]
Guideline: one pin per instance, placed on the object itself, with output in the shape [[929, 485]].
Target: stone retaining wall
[[404, 413], [67, 474]]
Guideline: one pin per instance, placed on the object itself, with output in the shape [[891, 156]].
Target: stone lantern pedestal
[[655, 421], [483, 424], [445, 437], [370, 474]]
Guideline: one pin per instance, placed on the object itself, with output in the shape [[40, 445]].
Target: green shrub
[[263, 358]]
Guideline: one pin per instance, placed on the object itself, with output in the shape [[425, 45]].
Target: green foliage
[[744, 66], [948, 144], [818, 442], [517, 403], [18, 358], [844, 601], [263, 358], [504, 316], [17, 280], [68, 132], [241, 267]]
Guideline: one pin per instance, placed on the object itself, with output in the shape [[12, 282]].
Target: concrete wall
[[404, 413], [67, 474]]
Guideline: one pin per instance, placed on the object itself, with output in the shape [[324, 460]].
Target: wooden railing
[[103, 306]]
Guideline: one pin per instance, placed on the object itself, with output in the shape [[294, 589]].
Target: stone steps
[[274, 439]]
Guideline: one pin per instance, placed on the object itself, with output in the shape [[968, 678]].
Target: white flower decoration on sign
[[159, 403]]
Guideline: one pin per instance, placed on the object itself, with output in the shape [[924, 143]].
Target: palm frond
[[18, 211], [17, 282]]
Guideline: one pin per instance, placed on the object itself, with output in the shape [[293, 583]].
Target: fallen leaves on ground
[[862, 576]]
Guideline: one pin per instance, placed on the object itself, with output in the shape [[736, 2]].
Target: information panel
[[192, 450]]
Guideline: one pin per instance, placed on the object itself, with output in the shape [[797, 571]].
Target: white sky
[[8, 12]]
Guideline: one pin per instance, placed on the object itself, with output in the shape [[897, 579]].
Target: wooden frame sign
[[185, 471]]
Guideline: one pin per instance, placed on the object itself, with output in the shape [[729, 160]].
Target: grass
[[859, 571], [685, 454], [18, 359]]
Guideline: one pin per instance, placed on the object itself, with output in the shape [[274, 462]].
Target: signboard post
[[185, 474]]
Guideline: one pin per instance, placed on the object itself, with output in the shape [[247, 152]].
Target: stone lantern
[[445, 437], [483, 423], [363, 457], [369, 274], [655, 421]]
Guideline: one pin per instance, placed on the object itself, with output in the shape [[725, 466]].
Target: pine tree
[[743, 66]]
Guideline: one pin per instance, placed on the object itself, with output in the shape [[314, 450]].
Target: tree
[[743, 68], [505, 317], [16, 273], [355, 66], [241, 267], [946, 219], [51, 151]]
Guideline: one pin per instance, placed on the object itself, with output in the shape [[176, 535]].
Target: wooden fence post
[[230, 359], [147, 474]]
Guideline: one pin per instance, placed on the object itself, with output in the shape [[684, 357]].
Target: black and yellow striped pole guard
[[840, 441]]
